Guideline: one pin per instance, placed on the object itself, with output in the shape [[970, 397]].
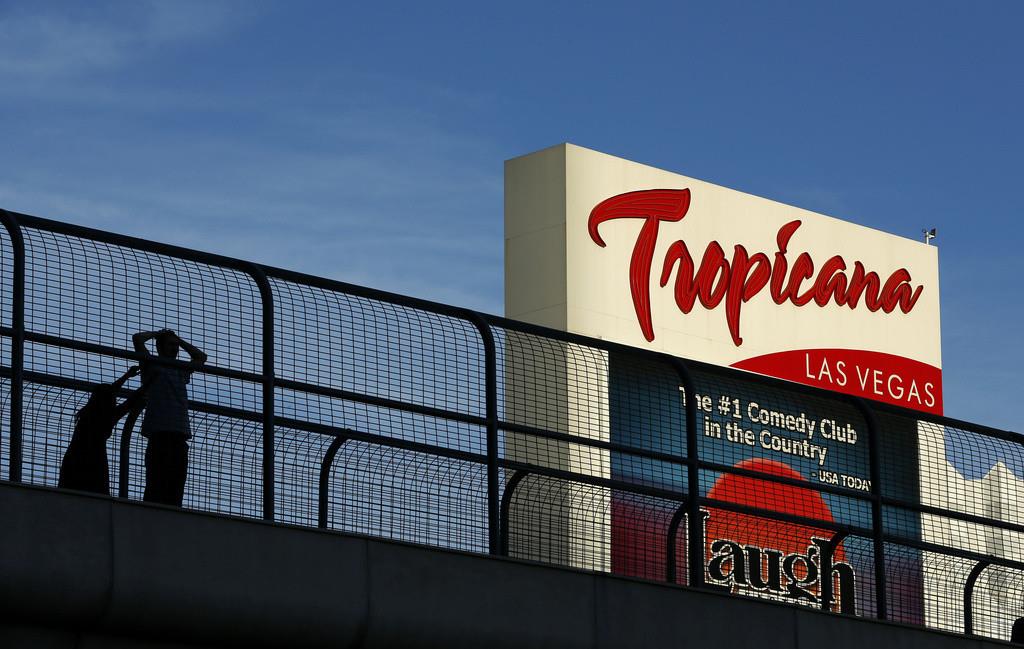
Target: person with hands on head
[[85, 465], [166, 424]]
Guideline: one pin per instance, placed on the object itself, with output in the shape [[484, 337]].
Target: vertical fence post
[[972, 579], [826, 580], [506, 506], [125, 451], [877, 522], [670, 545], [323, 508], [269, 464], [694, 520], [17, 344], [491, 407]]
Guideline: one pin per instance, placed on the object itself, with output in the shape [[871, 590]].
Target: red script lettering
[[739, 280]]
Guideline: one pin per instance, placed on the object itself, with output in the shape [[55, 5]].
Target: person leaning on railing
[[85, 465], [166, 423]]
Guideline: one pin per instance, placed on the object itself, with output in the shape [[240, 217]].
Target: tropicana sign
[[746, 275], [612, 249]]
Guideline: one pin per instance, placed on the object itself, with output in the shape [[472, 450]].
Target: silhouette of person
[[1017, 633], [85, 465], [166, 423]]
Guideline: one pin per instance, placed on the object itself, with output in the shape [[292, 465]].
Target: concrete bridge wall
[[86, 572]]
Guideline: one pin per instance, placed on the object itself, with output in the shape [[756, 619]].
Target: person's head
[[167, 344], [100, 405]]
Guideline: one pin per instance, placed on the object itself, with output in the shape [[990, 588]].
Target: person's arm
[[134, 399], [132, 371], [140, 339], [196, 354]]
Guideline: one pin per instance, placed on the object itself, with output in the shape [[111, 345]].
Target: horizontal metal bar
[[295, 277], [779, 479], [86, 386], [540, 331], [596, 481], [30, 222], [382, 440], [589, 441], [953, 552], [953, 515], [382, 402], [106, 350], [942, 420], [771, 514], [38, 223]]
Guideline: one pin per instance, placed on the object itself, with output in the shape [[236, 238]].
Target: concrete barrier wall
[[87, 572]]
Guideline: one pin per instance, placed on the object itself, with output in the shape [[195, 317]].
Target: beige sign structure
[[719, 276], [616, 250]]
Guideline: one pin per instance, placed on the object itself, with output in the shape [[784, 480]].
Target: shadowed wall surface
[[88, 572]]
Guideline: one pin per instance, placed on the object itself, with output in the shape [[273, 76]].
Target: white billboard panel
[[613, 249]]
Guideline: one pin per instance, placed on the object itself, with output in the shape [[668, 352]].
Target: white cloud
[[40, 42]]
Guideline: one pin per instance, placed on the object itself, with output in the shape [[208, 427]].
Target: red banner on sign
[[873, 375]]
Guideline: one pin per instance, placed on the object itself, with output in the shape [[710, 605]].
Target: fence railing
[[346, 408]]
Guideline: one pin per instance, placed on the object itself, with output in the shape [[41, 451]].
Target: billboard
[[620, 251], [613, 249], [761, 435]]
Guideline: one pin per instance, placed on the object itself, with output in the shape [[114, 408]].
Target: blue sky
[[365, 141]]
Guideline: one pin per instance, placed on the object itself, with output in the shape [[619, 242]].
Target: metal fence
[[345, 408]]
